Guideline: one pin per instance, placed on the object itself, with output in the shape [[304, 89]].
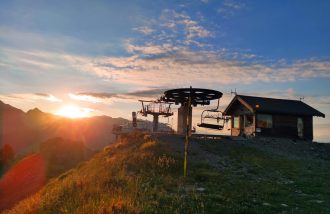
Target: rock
[[200, 189], [284, 205], [266, 204], [317, 201]]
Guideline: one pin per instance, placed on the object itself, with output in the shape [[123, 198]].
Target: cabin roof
[[273, 106]]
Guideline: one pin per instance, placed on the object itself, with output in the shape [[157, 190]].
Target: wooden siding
[[282, 125], [240, 110], [286, 126]]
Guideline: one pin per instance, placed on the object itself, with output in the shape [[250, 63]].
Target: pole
[[155, 123], [187, 137]]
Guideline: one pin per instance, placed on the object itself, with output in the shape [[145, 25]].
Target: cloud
[[31, 97], [170, 66], [230, 7], [48, 97], [192, 28], [162, 59], [148, 93], [173, 28], [187, 67], [89, 97], [150, 49], [144, 29], [28, 40], [105, 97]]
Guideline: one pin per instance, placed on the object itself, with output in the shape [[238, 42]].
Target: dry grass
[[142, 175], [135, 175]]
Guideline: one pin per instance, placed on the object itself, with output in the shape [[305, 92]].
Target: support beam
[[182, 119]]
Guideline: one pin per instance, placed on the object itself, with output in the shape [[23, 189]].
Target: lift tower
[[155, 108], [188, 98]]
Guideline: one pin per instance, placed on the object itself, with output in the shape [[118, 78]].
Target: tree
[[7, 154]]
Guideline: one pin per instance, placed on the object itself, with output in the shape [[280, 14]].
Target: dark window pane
[[248, 120], [264, 121]]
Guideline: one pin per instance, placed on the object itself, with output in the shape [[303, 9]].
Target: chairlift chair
[[214, 114]]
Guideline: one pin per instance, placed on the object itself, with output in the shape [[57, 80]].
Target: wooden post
[[187, 137]]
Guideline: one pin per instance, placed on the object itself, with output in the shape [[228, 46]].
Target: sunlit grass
[[132, 176], [142, 175]]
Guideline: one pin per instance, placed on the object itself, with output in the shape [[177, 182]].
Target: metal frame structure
[[189, 97], [156, 109], [198, 96], [215, 114]]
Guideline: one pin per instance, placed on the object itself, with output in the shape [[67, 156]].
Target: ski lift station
[[246, 115]]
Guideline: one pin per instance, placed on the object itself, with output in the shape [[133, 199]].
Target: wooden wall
[[286, 126], [241, 110], [283, 125]]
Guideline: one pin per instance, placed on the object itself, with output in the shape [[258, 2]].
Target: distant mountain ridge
[[25, 131], [46, 145]]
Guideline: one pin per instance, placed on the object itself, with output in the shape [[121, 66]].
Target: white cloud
[[176, 67], [194, 30], [186, 67], [230, 7], [150, 49], [175, 28], [87, 98], [32, 97], [109, 98], [144, 29]]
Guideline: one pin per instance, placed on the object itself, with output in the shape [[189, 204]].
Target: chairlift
[[155, 108], [213, 114]]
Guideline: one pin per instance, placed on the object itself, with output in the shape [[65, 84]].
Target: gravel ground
[[288, 148]]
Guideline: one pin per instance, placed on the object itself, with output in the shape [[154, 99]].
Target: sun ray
[[72, 111]]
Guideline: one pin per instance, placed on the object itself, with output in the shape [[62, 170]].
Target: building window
[[236, 122], [248, 120], [264, 121]]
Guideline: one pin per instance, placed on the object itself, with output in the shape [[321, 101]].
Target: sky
[[103, 55]]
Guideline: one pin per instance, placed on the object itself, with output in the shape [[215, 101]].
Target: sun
[[72, 111]]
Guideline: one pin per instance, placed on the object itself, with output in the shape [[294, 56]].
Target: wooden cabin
[[259, 116]]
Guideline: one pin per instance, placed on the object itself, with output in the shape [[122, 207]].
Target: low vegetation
[[139, 174], [6, 156]]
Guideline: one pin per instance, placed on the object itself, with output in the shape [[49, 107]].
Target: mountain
[[45, 145], [15, 129], [25, 131], [143, 174]]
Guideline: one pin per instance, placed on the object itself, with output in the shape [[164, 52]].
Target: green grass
[[258, 182], [140, 175], [132, 176]]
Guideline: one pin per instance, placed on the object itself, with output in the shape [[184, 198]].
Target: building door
[[241, 124], [300, 126]]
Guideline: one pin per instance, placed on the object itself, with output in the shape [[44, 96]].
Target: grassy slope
[[29, 175], [252, 180], [142, 175]]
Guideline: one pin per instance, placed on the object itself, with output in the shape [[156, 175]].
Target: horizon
[[101, 57]]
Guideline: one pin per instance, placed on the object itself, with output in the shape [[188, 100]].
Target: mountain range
[[44, 146], [24, 131]]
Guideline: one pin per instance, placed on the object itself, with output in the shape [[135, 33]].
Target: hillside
[[31, 173], [138, 174]]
